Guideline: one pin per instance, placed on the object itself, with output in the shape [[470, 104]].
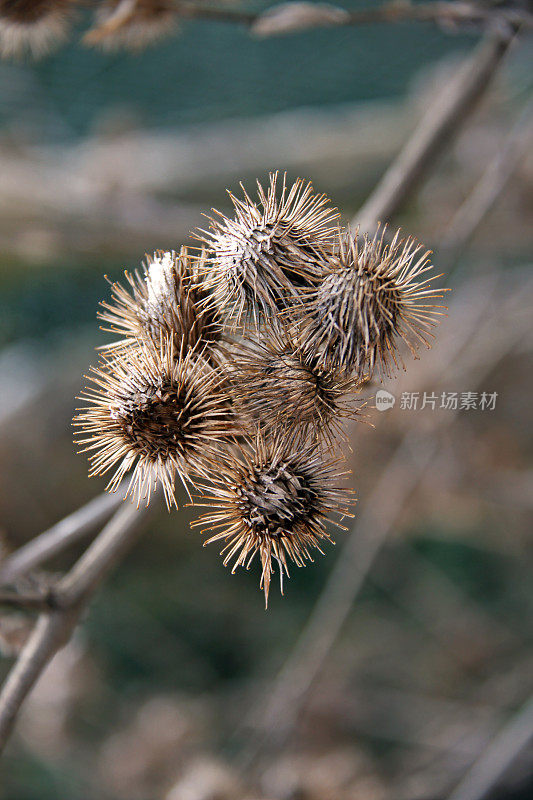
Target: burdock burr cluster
[[238, 362]]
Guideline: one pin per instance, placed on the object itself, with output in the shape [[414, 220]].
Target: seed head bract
[[278, 382], [263, 256], [155, 415], [32, 26], [272, 498], [375, 294], [168, 299]]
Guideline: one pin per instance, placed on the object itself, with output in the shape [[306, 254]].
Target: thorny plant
[[237, 363]]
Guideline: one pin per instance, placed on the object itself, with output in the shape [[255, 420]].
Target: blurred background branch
[[67, 601], [60, 536], [456, 101], [470, 214], [292, 17], [496, 759]]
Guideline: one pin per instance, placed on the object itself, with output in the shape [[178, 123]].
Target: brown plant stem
[[452, 14], [498, 757], [38, 601], [490, 186], [440, 124], [68, 531], [70, 597], [51, 632]]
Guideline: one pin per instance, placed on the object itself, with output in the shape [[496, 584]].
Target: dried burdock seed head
[[277, 383], [273, 498], [155, 414], [265, 254], [32, 26], [377, 294], [132, 24], [167, 300]]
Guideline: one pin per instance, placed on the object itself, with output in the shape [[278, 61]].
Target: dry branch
[[440, 124], [491, 185], [38, 601], [70, 597], [498, 757], [450, 14], [68, 531]]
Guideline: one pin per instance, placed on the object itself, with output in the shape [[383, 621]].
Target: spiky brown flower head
[[376, 294], [168, 299], [270, 249], [277, 382], [32, 26], [273, 497], [154, 415], [132, 24]]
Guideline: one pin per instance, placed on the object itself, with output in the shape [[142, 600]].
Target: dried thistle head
[[273, 498], [376, 294], [132, 24], [32, 26], [265, 254], [167, 300], [278, 382], [155, 415]]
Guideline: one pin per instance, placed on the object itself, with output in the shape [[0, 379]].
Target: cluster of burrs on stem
[[37, 26], [239, 361]]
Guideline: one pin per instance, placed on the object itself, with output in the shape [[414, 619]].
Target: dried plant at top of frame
[[277, 382], [273, 497], [375, 295], [132, 24], [264, 256], [154, 414], [32, 26], [168, 299]]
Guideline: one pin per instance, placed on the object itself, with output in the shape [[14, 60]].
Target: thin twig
[[496, 759], [37, 601], [68, 531], [53, 629], [100, 558], [479, 202], [440, 124], [454, 14], [50, 633]]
